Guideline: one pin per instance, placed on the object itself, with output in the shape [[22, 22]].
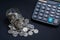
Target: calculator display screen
[[56, 0]]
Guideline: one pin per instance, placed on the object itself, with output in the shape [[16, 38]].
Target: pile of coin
[[19, 25]]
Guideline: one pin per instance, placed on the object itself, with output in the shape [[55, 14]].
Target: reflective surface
[[26, 7]]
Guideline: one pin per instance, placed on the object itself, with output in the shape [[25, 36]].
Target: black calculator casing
[[47, 12]]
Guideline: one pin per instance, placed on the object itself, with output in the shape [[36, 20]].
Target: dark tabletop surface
[[26, 7]]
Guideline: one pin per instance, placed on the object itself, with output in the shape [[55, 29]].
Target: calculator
[[47, 11]]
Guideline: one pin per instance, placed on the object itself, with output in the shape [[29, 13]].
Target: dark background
[[26, 7]]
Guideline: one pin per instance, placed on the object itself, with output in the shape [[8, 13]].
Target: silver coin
[[21, 33], [32, 30], [36, 31], [15, 35], [30, 33], [10, 26], [25, 29], [26, 21], [13, 28], [10, 31], [15, 32], [30, 26], [25, 34]]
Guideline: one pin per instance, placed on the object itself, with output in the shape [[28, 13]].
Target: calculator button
[[43, 7], [51, 15], [40, 14], [45, 15], [47, 8], [50, 20], [44, 19], [37, 6], [52, 12], [37, 9], [39, 17], [56, 21], [41, 10], [54, 6], [57, 16], [58, 10], [44, 4], [58, 7], [49, 5], [34, 16], [47, 12], [53, 9], [35, 12], [57, 13]]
